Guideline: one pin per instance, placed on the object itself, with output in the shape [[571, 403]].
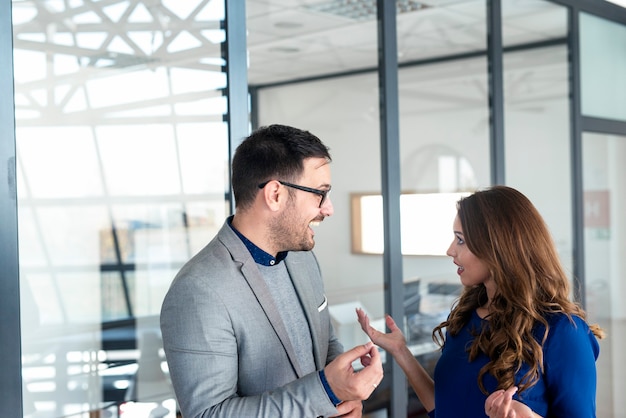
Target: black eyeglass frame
[[319, 192]]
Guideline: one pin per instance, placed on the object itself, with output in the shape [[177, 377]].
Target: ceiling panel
[[288, 40]]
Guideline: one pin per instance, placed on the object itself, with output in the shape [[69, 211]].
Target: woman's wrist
[[401, 353]]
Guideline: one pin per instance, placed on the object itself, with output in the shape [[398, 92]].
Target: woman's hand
[[395, 344], [500, 404], [392, 342]]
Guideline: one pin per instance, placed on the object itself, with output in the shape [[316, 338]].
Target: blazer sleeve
[[202, 354]]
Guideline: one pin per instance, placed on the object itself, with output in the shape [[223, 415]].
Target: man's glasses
[[319, 192]]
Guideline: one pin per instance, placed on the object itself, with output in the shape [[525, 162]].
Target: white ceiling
[[288, 40]]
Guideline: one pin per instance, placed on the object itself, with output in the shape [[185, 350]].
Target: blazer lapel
[[256, 282]]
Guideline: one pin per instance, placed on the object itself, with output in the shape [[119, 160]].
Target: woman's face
[[471, 269]]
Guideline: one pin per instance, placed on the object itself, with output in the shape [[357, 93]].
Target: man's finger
[[358, 352], [511, 391]]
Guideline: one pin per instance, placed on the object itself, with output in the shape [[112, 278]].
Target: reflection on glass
[[122, 161], [530, 21]]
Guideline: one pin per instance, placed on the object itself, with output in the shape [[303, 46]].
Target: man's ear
[[273, 195]]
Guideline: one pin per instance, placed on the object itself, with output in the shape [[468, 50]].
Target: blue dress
[[567, 389]]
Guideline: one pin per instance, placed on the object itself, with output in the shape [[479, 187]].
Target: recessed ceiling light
[[287, 25], [362, 9], [285, 49]]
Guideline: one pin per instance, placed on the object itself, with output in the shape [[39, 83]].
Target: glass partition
[[313, 66], [443, 160], [444, 148], [537, 114], [122, 167], [604, 231], [537, 137], [532, 22], [602, 67], [439, 158], [343, 113]]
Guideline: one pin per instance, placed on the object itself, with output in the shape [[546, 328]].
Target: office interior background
[[119, 118]]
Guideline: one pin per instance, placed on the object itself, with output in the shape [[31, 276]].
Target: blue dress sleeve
[[570, 357]]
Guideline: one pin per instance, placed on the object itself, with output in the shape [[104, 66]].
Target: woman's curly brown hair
[[503, 229]]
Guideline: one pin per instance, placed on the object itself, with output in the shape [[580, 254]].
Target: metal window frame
[[495, 70], [237, 75], [578, 245], [10, 333], [390, 184]]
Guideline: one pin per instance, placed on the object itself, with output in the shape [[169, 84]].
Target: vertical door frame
[[10, 333], [390, 184]]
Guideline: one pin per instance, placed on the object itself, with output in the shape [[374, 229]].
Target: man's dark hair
[[274, 152]]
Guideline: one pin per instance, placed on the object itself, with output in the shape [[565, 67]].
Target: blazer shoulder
[[223, 256]]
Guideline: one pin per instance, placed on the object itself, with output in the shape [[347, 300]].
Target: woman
[[514, 345]]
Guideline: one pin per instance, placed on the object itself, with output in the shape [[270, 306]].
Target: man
[[245, 323]]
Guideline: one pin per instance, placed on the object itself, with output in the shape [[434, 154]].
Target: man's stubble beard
[[286, 232]]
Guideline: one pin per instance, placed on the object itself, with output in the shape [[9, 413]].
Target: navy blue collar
[[259, 256]]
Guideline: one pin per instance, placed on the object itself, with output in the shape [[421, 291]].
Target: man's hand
[[350, 409], [349, 385], [500, 404]]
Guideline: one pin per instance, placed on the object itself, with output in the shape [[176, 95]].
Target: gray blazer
[[226, 346]]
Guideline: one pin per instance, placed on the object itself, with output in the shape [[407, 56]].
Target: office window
[[602, 67], [122, 167], [604, 232], [537, 133]]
